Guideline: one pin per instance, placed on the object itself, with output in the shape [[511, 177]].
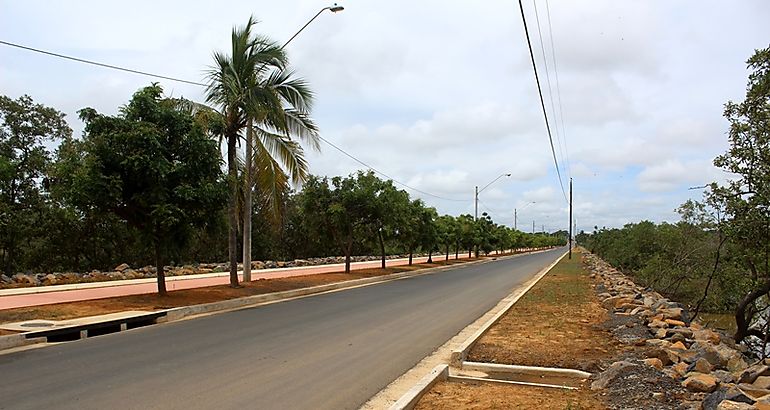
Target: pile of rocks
[[124, 271], [710, 370]]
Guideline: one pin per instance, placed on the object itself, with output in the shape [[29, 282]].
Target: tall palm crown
[[254, 86]]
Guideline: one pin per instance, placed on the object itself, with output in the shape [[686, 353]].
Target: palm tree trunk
[[232, 212], [247, 206]]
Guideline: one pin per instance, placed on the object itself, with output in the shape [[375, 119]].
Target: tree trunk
[[470, 252], [160, 274], [348, 250], [382, 248], [247, 206], [410, 256], [447, 251], [741, 321], [430, 256], [232, 212], [457, 250]]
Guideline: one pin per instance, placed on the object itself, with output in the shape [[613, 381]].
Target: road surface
[[329, 351]]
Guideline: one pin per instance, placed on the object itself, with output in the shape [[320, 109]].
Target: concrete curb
[[495, 381], [410, 399], [526, 370], [459, 355]]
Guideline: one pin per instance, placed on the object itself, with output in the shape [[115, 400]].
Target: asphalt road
[[331, 351]]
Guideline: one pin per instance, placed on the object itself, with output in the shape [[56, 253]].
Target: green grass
[[565, 284]]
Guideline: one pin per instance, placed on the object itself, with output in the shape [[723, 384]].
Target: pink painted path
[[46, 295]]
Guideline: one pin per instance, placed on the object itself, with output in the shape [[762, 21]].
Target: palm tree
[[257, 93]]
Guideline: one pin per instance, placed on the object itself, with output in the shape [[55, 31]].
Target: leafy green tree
[[258, 96], [746, 199], [466, 233], [342, 209], [153, 167], [446, 231], [25, 128]]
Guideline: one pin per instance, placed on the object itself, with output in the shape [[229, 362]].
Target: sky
[[441, 95]]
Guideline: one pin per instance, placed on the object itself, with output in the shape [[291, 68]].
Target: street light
[[476, 211], [516, 215], [249, 149], [334, 9]]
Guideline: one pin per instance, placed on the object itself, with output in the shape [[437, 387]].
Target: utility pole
[[476, 203], [542, 228], [570, 218], [533, 226], [514, 218]]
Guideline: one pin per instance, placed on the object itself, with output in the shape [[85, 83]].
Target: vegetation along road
[[331, 351]]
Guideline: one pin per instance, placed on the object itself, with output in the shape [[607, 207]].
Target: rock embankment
[[672, 362], [124, 271]]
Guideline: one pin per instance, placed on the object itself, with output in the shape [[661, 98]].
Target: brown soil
[[481, 395], [558, 323], [196, 296]]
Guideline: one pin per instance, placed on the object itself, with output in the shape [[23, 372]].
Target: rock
[[678, 338], [762, 382], [605, 377], [657, 323], [724, 376], [672, 313], [672, 322], [707, 335], [752, 391], [609, 302], [701, 383], [5, 279], [736, 364], [50, 279], [654, 362], [665, 356], [661, 333], [702, 366], [678, 346], [751, 373], [734, 405], [710, 353], [763, 403], [680, 369], [121, 267]]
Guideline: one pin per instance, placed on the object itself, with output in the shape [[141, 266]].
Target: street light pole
[[249, 153], [476, 209]]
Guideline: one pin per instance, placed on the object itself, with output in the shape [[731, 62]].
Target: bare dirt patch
[[196, 296], [484, 395], [558, 323]]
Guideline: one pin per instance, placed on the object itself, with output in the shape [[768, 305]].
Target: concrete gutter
[[410, 399], [485, 380], [526, 370], [461, 353]]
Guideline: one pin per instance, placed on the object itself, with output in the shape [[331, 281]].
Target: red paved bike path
[[36, 296]]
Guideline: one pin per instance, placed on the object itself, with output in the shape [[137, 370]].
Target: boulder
[[734, 405], [672, 322], [121, 267], [672, 313], [707, 335], [50, 279], [5, 279], [680, 369], [702, 366], [762, 403], [701, 383]]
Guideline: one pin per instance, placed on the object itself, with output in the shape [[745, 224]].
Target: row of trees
[[147, 186], [718, 256]]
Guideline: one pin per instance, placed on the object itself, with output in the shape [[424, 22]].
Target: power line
[[548, 82], [114, 67], [542, 101], [388, 176], [558, 87], [129, 70]]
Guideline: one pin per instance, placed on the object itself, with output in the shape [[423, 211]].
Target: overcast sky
[[440, 95]]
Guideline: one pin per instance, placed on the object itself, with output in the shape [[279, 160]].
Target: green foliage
[[25, 128], [152, 167]]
